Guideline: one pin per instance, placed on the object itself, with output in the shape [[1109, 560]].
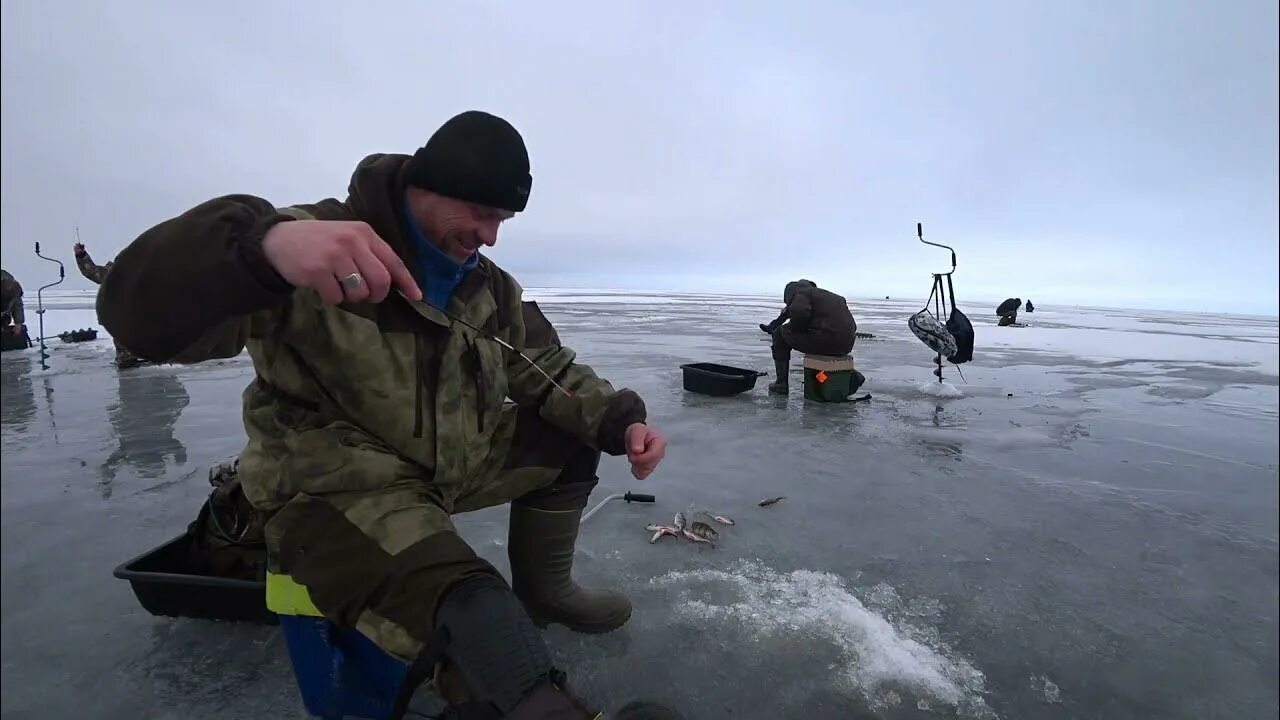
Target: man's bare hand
[[318, 254], [645, 449]]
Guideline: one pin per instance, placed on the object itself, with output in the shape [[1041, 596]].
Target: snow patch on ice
[[881, 659], [1047, 689], [942, 389]]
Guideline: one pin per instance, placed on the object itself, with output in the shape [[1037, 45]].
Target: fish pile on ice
[[696, 531]]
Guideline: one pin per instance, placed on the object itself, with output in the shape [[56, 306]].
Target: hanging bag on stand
[[961, 330], [954, 340], [932, 332]]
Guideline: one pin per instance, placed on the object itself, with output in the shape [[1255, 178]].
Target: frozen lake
[[1084, 527]]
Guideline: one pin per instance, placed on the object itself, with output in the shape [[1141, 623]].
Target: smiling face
[[457, 227]]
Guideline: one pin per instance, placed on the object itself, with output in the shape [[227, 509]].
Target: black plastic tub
[[164, 587], [716, 379]]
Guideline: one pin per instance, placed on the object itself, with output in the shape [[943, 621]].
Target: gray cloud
[[1081, 152]]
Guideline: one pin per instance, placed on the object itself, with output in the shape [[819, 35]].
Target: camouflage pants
[[787, 338], [380, 561]]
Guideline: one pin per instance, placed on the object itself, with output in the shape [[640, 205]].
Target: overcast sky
[[1077, 152]]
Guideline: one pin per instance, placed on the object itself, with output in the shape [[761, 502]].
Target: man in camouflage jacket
[[13, 317], [377, 410], [96, 273], [12, 313]]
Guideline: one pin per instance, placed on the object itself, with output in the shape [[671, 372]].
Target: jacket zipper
[[479, 369], [419, 357]]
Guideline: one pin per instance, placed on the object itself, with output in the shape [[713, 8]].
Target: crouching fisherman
[[13, 318], [381, 342], [1007, 311], [813, 321]]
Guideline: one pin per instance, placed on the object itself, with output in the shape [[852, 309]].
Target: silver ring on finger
[[354, 280]]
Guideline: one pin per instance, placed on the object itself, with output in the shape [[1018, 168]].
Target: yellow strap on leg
[[287, 597]]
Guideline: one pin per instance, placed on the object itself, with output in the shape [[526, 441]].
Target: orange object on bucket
[[821, 376]]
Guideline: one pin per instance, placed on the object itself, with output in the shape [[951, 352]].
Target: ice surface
[[1086, 531]]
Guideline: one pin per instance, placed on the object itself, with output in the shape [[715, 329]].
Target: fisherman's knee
[[347, 567], [781, 350], [501, 664]]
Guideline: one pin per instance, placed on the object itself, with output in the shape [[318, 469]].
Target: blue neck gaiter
[[440, 274]]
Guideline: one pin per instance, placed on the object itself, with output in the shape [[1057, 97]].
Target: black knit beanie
[[476, 157]]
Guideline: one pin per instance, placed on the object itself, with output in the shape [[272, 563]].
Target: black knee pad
[[494, 645]]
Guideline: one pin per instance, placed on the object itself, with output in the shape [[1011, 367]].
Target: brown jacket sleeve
[[185, 290], [594, 411], [800, 310]]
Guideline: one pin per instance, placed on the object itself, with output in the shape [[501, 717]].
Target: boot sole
[[586, 629]]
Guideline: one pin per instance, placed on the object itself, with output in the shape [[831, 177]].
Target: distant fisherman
[[814, 321], [12, 317], [1008, 311], [96, 274]]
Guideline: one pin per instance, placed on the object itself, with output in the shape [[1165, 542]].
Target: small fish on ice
[[689, 534], [704, 531], [661, 530], [723, 520]]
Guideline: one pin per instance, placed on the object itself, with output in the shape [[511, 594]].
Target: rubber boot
[[540, 546], [779, 386]]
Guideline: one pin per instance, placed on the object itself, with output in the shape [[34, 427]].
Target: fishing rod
[[490, 336], [62, 275], [629, 497]]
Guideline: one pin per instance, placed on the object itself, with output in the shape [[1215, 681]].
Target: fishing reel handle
[[638, 497]]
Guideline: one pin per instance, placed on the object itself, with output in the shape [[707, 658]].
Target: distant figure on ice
[[814, 321], [96, 274], [1008, 311], [13, 319], [1030, 308]]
